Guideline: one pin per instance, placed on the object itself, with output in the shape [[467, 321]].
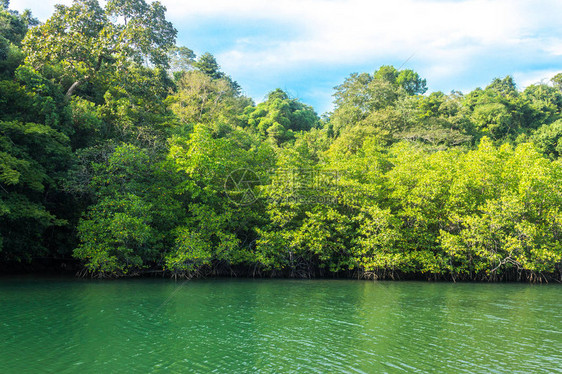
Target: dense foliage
[[131, 155]]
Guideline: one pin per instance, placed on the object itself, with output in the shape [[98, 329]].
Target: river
[[66, 325]]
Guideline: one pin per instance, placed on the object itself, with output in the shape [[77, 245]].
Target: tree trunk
[[75, 85], [73, 88]]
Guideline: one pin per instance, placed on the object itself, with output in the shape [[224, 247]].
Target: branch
[[74, 86]]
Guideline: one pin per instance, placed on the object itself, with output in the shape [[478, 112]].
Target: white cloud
[[525, 79], [40, 9], [356, 31], [445, 36], [553, 46]]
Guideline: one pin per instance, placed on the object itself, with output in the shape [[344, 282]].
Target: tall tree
[[207, 63], [86, 40], [280, 117], [557, 81]]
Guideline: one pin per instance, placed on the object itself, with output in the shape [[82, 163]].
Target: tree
[[494, 120], [504, 87], [544, 104], [208, 65], [280, 117], [499, 111], [216, 229], [13, 27], [548, 138], [182, 59], [202, 99], [134, 212], [557, 81], [371, 100], [33, 161], [408, 79], [504, 213], [86, 40], [411, 82]]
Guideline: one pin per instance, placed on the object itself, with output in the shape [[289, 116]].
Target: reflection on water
[[68, 325]]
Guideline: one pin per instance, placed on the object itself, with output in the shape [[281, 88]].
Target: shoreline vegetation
[[123, 154]]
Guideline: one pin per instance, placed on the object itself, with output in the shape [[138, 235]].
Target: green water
[[79, 326]]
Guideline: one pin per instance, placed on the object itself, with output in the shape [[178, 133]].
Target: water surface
[[64, 325]]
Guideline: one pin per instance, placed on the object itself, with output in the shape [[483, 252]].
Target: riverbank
[[74, 268]]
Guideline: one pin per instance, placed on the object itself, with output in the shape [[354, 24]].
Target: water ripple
[[71, 326]]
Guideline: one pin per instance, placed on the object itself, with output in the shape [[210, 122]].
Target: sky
[[307, 47]]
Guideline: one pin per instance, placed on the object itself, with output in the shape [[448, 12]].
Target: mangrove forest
[[123, 153]]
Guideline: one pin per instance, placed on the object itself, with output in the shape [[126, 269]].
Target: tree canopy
[[85, 40], [123, 153]]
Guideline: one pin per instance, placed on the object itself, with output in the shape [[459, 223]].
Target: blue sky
[[307, 47]]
